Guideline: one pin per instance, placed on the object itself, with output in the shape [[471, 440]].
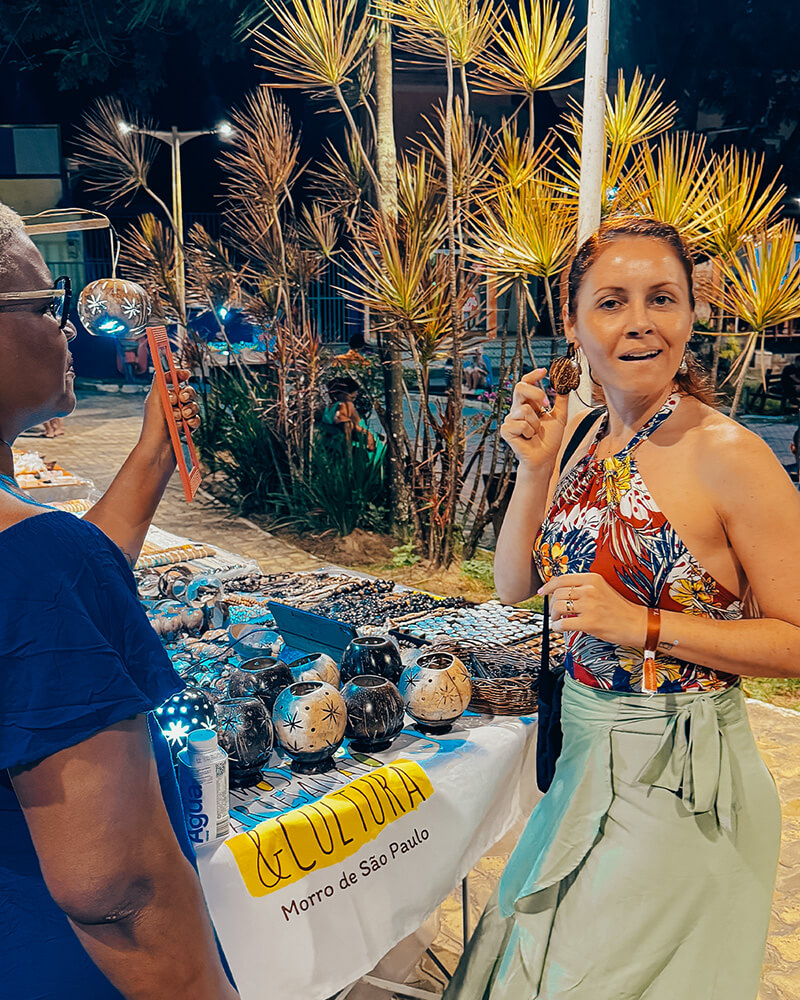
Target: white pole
[[593, 148]]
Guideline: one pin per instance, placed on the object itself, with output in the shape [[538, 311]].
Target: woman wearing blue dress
[[99, 898]]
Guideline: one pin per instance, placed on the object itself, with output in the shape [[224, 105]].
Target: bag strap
[[578, 435]]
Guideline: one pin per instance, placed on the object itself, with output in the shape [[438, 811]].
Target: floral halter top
[[603, 520]]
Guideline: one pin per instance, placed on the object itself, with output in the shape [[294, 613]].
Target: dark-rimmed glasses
[[60, 296]]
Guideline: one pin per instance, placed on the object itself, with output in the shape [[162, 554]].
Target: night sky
[[178, 86]]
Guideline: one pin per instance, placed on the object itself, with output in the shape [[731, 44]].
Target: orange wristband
[[653, 629], [649, 679]]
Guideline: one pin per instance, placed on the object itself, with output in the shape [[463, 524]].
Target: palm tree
[[761, 288], [318, 45], [531, 49], [740, 205], [458, 31]]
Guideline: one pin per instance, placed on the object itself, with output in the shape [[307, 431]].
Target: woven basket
[[497, 695]]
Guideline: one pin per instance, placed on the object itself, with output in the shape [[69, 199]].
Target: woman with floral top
[[668, 547]]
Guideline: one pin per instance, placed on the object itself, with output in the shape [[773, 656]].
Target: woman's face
[[633, 317], [36, 377]]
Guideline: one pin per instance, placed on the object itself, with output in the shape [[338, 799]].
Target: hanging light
[[112, 307]]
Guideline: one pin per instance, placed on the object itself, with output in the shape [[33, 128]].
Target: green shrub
[[345, 489], [403, 555]]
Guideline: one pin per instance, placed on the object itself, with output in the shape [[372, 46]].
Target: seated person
[[342, 413], [790, 382], [478, 370]]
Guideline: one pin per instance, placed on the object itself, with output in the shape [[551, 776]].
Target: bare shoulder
[[13, 510], [724, 445], [735, 465]]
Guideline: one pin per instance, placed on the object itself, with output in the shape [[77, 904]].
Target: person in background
[[790, 383], [53, 428], [342, 412], [477, 370], [99, 896]]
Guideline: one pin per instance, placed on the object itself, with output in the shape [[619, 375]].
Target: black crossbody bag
[[551, 682]]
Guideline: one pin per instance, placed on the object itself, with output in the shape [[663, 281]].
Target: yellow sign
[[284, 849]]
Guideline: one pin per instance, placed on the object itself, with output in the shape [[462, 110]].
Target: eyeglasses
[[60, 296]]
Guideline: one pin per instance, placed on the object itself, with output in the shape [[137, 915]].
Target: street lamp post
[[175, 139]]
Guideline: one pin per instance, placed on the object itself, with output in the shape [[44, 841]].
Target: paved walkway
[[104, 429], [98, 438]]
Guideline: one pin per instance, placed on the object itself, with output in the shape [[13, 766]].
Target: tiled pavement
[[103, 430]]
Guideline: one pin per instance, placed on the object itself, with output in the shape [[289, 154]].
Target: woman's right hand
[[532, 429]]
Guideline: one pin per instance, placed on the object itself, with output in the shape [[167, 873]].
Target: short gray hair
[[10, 223]]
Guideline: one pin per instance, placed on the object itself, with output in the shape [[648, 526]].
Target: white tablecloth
[[323, 875]]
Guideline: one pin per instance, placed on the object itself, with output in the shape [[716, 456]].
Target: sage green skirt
[[647, 870]]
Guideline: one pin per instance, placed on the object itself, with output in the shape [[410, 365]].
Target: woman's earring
[[565, 372], [683, 368]]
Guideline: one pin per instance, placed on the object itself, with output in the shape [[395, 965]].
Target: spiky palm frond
[[340, 181], [673, 186], [114, 162], [531, 49], [738, 203], [762, 282], [147, 256], [304, 264], [512, 161], [761, 286], [318, 230], [523, 232], [469, 143], [435, 28], [398, 271], [312, 44], [420, 204], [212, 280], [261, 162], [635, 115]]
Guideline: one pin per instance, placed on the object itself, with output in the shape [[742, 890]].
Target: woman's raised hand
[[532, 429]]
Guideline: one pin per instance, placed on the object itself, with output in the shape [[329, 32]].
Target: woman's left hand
[[585, 602]]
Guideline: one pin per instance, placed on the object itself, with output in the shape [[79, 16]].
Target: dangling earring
[[683, 368], [565, 372]]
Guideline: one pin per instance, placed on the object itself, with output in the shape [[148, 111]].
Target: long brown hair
[[694, 380]]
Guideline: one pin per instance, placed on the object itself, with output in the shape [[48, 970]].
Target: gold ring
[[570, 606]]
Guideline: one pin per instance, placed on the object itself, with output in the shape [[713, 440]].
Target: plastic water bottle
[[203, 779]]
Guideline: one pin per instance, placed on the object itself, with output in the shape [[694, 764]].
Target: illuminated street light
[[175, 139]]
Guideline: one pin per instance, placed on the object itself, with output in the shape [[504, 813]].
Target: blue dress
[[77, 655]]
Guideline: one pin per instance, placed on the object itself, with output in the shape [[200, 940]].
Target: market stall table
[[324, 874]]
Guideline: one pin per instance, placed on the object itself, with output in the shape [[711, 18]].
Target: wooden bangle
[[653, 629]]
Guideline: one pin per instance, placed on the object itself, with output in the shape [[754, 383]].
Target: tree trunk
[[386, 156], [456, 444], [749, 352], [386, 149]]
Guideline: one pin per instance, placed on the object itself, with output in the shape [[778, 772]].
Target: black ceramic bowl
[[375, 712], [263, 676], [371, 654], [245, 733]]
